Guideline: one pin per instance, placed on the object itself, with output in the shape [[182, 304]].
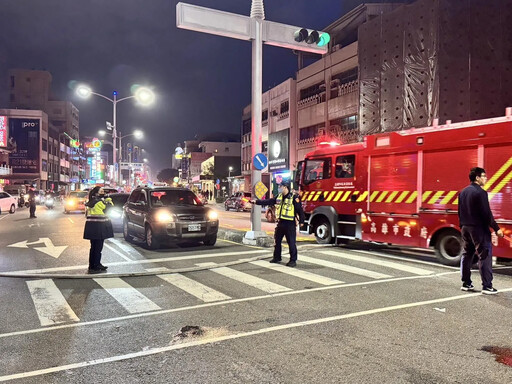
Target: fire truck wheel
[[323, 232], [449, 247]]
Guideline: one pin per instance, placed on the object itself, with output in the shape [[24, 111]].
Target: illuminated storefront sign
[[25, 133], [3, 131], [94, 145]]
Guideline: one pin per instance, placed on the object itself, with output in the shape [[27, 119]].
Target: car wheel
[[210, 240], [449, 247], [13, 209], [126, 233], [226, 207], [323, 232], [150, 240], [238, 208]]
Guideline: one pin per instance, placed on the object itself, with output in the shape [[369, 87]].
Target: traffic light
[[313, 37]]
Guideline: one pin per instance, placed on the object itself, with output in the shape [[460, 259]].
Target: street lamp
[[229, 180], [230, 169], [143, 95]]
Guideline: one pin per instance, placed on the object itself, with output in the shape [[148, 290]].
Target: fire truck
[[402, 187]]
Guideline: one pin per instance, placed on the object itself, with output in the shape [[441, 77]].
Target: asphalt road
[[342, 316]]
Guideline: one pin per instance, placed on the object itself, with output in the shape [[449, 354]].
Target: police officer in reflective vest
[[288, 208]]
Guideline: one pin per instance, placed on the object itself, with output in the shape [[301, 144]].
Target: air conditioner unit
[[335, 82], [274, 112], [322, 87]]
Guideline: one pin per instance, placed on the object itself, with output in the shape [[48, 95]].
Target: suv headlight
[[164, 217], [212, 215]]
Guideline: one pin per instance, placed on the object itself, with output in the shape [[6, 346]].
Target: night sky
[[202, 82]]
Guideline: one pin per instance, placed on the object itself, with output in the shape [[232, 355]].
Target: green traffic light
[[324, 40]]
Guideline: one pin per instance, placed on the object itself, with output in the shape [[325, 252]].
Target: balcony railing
[[5, 170]]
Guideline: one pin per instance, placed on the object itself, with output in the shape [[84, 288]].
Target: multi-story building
[[31, 90]]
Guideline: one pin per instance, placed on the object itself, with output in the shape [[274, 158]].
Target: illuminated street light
[[143, 95]]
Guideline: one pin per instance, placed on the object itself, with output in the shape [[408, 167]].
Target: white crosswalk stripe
[[253, 281], [51, 306], [380, 262], [345, 268], [194, 288], [297, 273], [131, 299]]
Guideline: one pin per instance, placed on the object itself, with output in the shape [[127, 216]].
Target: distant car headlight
[[164, 217], [212, 215], [70, 202]]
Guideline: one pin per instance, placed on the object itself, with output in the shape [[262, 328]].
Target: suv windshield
[[173, 197]]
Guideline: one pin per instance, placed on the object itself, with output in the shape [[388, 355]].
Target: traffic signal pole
[[259, 31]]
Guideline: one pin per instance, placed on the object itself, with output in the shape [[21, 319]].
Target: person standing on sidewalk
[[475, 218], [288, 208], [98, 227]]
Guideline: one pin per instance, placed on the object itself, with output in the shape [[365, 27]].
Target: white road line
[[127, 248], [117, 252], [380, 254], [232, 301], [382, 263], [131, 299], [51, 306], [245, 278], [201, 291], [146, 261], [297, 273], [69, 218], [155, 351], [345, 268]]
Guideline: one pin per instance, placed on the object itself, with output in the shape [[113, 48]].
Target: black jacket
[[474, 209], [297, 206]]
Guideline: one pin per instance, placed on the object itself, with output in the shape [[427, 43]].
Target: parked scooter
[[49, 201]]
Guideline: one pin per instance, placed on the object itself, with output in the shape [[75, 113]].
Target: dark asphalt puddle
[[503, 355], [195, 332]]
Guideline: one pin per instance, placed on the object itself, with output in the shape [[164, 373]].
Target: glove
[[109, 200]]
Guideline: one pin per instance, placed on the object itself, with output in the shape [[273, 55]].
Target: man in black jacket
[[288, 209], [475, 218]]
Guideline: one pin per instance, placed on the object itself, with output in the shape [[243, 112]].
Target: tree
[[167, 175]]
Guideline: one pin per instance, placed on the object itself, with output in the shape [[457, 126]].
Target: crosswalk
[[325, 268]]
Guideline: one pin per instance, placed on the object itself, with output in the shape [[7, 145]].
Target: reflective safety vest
[[284, 207]]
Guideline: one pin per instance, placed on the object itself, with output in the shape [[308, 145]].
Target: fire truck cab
[[402, 187]]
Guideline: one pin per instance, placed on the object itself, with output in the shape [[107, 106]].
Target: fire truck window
[[345, 167], [317, 170]]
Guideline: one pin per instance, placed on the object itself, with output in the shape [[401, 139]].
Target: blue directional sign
[[260, 161]]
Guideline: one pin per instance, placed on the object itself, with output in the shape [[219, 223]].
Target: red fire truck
[[402, 187]]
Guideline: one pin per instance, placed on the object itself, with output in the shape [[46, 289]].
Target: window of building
[[285, 106], [246, 126], [226, 149], [309, 132], [317, 169], [264, 115], [44, 166], [312, 90], [346, 76], [45, 145], [345, 167]]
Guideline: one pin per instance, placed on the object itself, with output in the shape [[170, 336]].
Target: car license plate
[[194, 227]]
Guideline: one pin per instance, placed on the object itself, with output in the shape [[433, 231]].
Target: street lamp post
[[229, 179], [143, 95]]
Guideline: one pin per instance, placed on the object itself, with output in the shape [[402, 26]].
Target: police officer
[[475, 218], [288, 207], [32, 202]]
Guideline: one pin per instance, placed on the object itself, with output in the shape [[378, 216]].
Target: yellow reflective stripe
[[363, 196], [382, 196], [412, 197], [426, 195], [402, 196], [498, 174], [500, 186], [311, 195], [325, 194], [448, 197], [456, 201], [391, 197], [305, 196], [317, 196], [345, 197], [374, 195], [331, 195], [436, 197], [338, 196]]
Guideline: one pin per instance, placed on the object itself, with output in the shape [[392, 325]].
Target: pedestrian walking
[[475, 218], [32, 202], [98, 227], [288, 209]]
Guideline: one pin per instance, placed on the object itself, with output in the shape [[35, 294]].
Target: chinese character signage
[[25, 134], [278, 150], [3, 131]]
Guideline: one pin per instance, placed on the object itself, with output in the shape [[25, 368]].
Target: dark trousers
[[32, 210], [477, 241], [285, 228], [95, 253]]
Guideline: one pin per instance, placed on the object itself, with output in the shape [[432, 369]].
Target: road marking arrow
[[52, 250]]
